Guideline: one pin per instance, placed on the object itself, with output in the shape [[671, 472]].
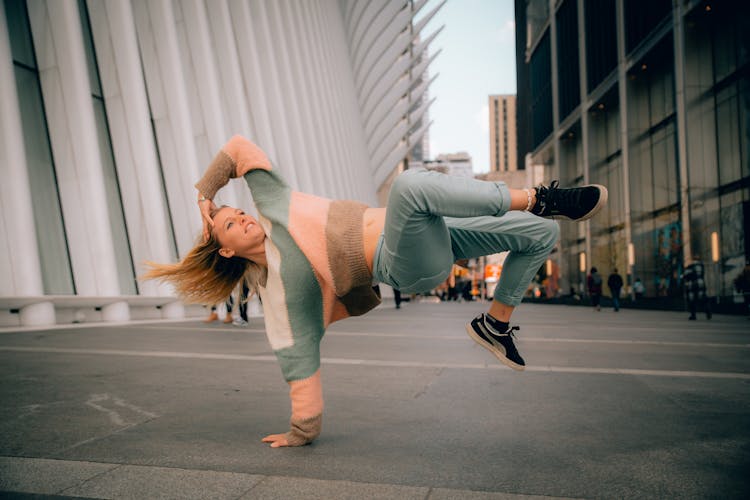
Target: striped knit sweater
[[317, 272]]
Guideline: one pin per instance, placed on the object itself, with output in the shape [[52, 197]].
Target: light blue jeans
[[433, 219]]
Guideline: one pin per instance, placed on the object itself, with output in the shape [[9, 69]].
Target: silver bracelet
[[528, 198]]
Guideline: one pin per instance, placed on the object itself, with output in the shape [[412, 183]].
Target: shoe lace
[[510, 331], [556, 197], [546, 196]]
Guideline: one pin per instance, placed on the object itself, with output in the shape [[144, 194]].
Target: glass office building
[[652, 99]]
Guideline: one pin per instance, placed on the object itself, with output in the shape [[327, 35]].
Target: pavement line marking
[[209, 329], [381, 363], [547, 339], [464, 337], [145, 354]]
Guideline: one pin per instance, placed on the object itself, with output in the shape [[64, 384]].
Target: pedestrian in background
[[742, 284], [639, 289], [594, 283], [614, 282], [215, 314], [244, 296], [695, 288]]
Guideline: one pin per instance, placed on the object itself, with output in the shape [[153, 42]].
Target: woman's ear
[[226, 253]]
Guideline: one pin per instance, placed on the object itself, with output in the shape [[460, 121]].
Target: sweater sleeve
[[307, 410], [292, 297], [236, 158]]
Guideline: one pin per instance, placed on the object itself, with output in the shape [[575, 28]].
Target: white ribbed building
[[111, 109]]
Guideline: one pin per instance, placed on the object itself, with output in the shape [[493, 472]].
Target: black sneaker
[[576, 204], [499, 344]]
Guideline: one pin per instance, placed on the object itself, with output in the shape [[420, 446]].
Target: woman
[[314, 261]]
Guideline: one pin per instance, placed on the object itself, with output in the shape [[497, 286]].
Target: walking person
[[742, 285], [214, 315], [614, 282], [639, 289], [314, 261], [695, 288], [594, 283], [244, 296]]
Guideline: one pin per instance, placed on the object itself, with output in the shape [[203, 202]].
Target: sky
[[478, 59]]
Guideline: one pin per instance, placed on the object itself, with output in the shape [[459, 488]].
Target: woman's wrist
[[216, 176]]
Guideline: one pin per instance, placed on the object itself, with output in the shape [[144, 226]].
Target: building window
[[641, 17], [540, 75], [567, 58], [601, 40]]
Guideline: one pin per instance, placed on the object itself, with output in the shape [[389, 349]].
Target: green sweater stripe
[[304, 297]]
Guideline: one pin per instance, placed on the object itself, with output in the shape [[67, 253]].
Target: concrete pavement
[[634, 404]]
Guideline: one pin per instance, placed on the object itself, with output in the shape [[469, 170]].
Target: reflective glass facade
[[664, 125]]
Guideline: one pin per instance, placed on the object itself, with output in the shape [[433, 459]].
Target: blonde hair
[[205, 277]]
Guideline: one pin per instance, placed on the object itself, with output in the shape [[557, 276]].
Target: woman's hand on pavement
[[276, 440]]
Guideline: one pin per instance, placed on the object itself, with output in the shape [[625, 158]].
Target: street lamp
[[715, 258], [582, 269], [715, 246], [631, 265]]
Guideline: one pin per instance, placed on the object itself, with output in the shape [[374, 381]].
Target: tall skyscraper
[[503, 142]]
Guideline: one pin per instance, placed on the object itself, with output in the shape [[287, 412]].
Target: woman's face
[[238, 233]]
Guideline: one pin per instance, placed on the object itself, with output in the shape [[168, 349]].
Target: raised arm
[[307, 413], [237, 157]]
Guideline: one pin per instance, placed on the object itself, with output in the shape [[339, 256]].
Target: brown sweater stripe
[[352, 279]]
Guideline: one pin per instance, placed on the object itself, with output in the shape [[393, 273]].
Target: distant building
[[458, 164], [419, 107], [503, 142]]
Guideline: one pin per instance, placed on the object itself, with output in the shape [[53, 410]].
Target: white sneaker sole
[[498, 352]]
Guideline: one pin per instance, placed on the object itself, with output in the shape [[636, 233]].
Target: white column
[[66, 89], [132, 136], [357, 158], [201, 70], [260, 109], [294, 88], [334, 41], [310, 39], [165, 82], [19, 261], [231, 82], [286, 152], [334, 103]]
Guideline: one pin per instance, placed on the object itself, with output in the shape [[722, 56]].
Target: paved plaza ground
[[634, 404]]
